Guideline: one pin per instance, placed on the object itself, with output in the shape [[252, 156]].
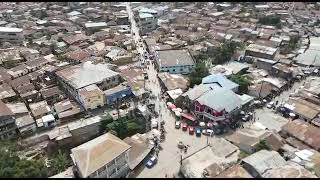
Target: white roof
[[48, 118], [97, 24], [8, 29], [261, 49], [145, 15], [175, 93]]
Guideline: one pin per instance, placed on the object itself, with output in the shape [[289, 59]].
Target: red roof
[[188, 116]]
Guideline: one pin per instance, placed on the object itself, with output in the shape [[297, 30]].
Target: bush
[[270, 20], [197, 74], [242, 81]]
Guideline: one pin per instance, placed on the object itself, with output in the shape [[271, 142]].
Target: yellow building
[[91, 97]]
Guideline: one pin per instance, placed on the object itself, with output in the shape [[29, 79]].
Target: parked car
[[198, 132], [178, 124], [152, 161], [270, 105], [191, 130], [207, 132], [184, 127]]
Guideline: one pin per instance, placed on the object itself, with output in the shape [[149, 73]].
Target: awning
[[188, 116], [172, 106]]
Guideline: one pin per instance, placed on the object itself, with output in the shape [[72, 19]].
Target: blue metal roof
[[221, 80]]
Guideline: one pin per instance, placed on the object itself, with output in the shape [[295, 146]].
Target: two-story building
[[260, 51], [8, 128], [106, 156], [147, 22], [12, 35], [175, 61], [83, 81]]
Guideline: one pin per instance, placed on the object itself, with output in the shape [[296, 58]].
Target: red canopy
[[172, 106], [188, 116]]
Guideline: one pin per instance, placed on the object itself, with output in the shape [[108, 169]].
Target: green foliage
[[262, 145], [59, 162], [11, 166], [243, 154], [124, 127], [9, 64], [293, 43], [270, 20], [242, 81], [197, 74], [224, 53]]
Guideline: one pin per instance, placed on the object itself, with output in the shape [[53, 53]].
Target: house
[[211, 160], [39, 109], [18, 71], [12, 35], [105, 156], [7, 94], [247, 139], [91, 97], [261, 90], [117, 93], [66, 110], [147, 22], [303, 132], [281, 70], [306, 110], [172, 81], [214, 103], [8, 128], [135, 79], [235, 171], [34, 65], [290, 170], [76, 78], [260, 51], [265, 64], [52, 94], [26, 125], [46, 121], [220, 80], [175, 61], [258, 163], [230, 68], [95, 26], [140, 149], [4, 76]]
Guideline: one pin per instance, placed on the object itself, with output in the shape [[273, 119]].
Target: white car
[[270, 105]]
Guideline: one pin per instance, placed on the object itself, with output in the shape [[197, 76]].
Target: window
[[174, 70], [113, 79], [181, 69]]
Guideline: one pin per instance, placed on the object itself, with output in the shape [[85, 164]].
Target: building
[[258, 163], [76, 78], [175, 61], [7, 93], [8, 128], [303, 132], [290, 170], [222, 81], [265, 64], [106, 156], [12, 35], [91, 97], [117, 93], [211, 160], [66, 110], [94, 27], [147, 22], [260, 51], [140, 149], [173, 81]]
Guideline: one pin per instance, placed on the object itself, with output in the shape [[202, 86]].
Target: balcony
[[211, 117]]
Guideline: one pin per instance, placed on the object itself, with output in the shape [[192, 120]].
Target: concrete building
[[7, 122], [175, 61], [83, 81], [11, 35], [147, 22], [260, 51], [91, 97], [117, 93], [106, 156]]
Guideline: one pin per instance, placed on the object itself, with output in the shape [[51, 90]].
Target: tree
[[11, 166], [224, 53], [270, 20], [197, 74], [242, 81], [262, 145], [59, 162]]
